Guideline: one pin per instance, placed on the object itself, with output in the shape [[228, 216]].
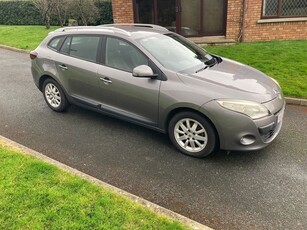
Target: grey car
[[150, 76]]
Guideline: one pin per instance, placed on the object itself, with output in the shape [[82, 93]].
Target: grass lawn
[[286, 61], [23, 37], [37, 195]]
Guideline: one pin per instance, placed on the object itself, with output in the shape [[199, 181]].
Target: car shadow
[[160, 139]]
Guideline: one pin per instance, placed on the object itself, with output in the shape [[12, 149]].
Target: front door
[[190, 18], [202, 17], [136, 99]]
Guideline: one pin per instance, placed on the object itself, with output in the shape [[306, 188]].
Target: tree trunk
[[47, 22]]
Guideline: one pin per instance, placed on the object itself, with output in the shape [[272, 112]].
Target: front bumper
[[238, 132]]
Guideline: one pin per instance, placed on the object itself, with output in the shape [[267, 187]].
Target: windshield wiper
[[210, 64], [201, 69]]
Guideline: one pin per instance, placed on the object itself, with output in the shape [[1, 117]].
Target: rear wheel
[[54, 95], [192, 134]]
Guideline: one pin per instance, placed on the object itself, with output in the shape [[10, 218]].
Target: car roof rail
[[156, 27], [76, 28], [115, 29]]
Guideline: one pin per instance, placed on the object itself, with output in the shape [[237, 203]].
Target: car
[[152, 77]]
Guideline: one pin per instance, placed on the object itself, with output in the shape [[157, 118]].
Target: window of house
[[284, 8]]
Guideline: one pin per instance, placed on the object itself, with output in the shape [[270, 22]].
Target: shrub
[[25, 13]]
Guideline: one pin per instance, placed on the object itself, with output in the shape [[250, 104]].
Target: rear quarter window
[[55, 43]]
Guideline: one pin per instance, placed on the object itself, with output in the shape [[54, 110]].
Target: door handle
[[63, 67], [106, 80]]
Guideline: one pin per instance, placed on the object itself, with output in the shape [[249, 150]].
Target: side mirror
[[143, 71]]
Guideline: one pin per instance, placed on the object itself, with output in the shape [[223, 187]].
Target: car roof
[[129, 30]]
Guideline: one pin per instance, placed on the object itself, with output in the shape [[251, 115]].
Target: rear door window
[[81, 46]]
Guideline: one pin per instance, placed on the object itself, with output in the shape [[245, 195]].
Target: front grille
[[268, 135]]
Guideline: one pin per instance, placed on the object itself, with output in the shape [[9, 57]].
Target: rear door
[[135, 98], [77, 66]]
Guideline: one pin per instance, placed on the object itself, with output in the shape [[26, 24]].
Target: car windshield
[[176, 53]]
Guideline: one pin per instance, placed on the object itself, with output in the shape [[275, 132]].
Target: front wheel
[[54, 95], [192, 134]]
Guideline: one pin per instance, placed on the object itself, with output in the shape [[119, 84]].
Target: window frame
[[279, 13]]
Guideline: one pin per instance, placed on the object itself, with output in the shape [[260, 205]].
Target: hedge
[[19, 13], [25, 13]]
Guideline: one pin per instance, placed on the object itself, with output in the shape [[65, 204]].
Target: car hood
[[230, 79]]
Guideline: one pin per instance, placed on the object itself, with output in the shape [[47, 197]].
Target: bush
[[19, 13], [25, 13], [106, 15]]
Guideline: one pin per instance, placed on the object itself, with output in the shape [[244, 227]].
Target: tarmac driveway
[[265, 189]]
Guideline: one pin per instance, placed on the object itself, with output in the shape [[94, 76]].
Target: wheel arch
[[42, 79], [175, 111]]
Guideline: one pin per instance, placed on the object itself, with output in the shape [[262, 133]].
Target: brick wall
[[234, 19], [123, 11], [270, 31]]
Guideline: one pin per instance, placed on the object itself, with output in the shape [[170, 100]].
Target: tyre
[[54, 95], [192, 134]]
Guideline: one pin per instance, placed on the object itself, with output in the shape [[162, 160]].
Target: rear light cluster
[[33, 54]]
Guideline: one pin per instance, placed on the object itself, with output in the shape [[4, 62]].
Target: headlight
[[252, 109]]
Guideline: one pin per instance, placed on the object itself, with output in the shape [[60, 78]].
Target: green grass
[[37, 195], [286, 61], [23, 37]]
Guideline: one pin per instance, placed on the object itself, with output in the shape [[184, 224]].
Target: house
[[245, 20]]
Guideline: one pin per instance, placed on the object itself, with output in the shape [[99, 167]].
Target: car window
[[55, 42], [122, 55], [84, 47], [174, 52], [66, 45]]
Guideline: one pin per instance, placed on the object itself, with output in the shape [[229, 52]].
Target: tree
[[84, 10], [45, 8], [60, 11]]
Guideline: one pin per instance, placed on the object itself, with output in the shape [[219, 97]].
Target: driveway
[[265, 189]]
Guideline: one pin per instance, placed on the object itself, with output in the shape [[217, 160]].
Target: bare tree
[[85, 10], [45, 8], [60, 10]]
